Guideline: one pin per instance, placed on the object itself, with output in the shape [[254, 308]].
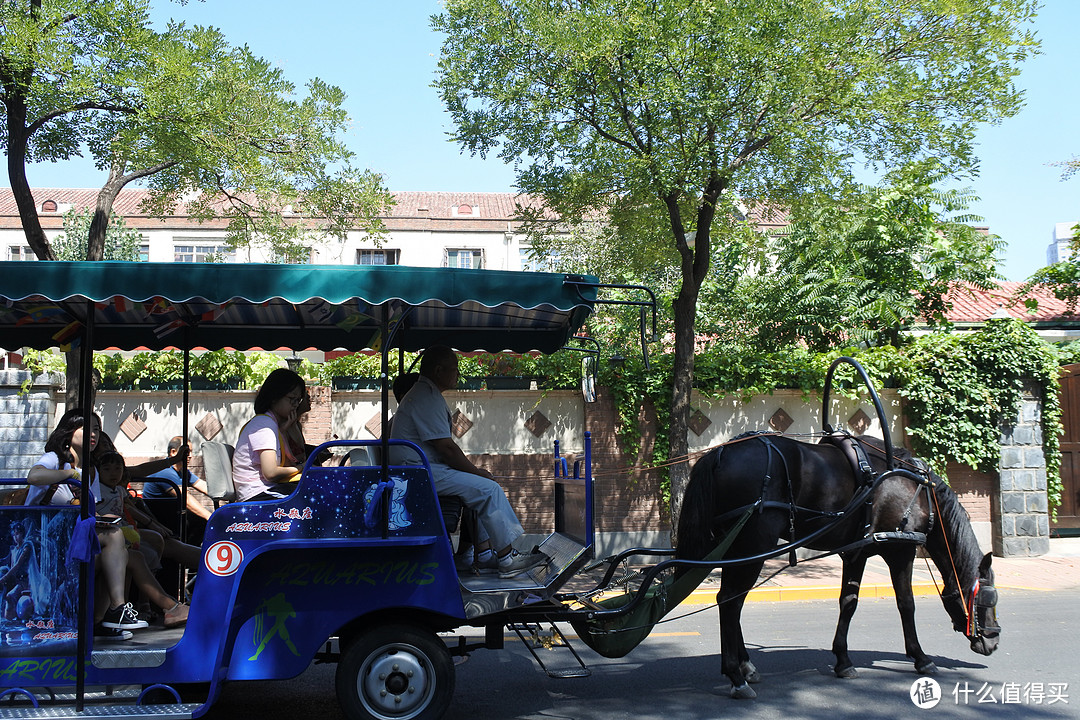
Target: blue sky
[[383, 55]]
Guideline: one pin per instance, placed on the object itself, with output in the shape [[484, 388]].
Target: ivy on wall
[[963, 390], [960, 389]]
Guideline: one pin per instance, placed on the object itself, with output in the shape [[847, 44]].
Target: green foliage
[[218, 366], [1062, 278], [558, 370], [192, 115], [121, 242], [863, 266], [654, 117], [353, 365], [39, 362], [960, 390]]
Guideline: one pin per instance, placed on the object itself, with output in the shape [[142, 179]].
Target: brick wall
[[973, 488]]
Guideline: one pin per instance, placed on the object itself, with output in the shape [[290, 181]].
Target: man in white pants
[[423, 418]]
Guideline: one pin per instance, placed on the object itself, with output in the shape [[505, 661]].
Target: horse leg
[[854, 565], [735, 659], [900, 563]]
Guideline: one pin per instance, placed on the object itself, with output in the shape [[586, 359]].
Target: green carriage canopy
[[327, 307]]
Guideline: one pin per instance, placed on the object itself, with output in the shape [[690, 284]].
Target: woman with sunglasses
[[261, 471]]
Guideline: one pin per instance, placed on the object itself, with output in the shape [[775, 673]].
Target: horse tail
[[694, 537]]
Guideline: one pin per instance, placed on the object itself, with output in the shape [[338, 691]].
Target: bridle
[[984, 597]]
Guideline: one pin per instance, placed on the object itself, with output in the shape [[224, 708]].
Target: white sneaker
[[516, 563]]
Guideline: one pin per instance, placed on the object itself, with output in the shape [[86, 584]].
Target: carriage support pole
[[885, 435]]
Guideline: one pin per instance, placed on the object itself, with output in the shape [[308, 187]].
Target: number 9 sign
[[223, 558]]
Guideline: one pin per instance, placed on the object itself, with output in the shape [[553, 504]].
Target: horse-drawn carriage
[[356, 565]]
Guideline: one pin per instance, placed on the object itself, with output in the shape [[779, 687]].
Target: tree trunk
[[684, 307], [99, 224], [17, 139], [695, 253], [73, 385]]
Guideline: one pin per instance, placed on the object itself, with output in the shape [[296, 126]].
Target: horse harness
[[856, 456]]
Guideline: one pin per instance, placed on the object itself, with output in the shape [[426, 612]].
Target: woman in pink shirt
[[260, 470]]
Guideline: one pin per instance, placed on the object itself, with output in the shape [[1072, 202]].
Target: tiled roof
[[971, 304], [436, 205]]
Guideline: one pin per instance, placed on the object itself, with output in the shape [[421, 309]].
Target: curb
[[707, 596], [808, 592]]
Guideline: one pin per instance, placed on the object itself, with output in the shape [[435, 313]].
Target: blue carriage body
[[353, 548]]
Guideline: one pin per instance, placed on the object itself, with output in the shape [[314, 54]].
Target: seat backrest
[[217, 471]]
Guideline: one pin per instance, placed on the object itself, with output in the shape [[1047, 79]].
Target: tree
[[121, 242], [862, 268], [670, 109], [195, 118]]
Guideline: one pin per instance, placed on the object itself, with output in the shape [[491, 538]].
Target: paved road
[[674, 674]]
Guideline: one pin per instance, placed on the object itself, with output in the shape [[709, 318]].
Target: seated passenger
[[423, 418], [63, 461], [154, 489], [105, 444], [161, 490], [113, 615], [259, 469], [139, 526]]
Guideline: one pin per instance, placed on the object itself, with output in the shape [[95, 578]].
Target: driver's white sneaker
[[516, 563]]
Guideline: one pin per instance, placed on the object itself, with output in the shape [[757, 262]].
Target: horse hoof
[[928, 668], [848, 673], [743, 692], [750, 672]]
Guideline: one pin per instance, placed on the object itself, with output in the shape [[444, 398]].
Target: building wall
[[421, 227]]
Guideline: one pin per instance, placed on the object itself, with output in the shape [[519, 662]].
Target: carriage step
[[534, 637], [175, 711]]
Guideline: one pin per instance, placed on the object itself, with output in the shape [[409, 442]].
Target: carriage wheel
[[395, 672]]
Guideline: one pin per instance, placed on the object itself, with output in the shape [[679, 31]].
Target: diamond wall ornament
[[537, 424], [374, 425], [209, 426], [133, 426], [859, 422], [460, 424], [780, 421], [699, 422]]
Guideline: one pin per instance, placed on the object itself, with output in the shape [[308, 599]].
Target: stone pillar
[[1021, 524], [25, 420]]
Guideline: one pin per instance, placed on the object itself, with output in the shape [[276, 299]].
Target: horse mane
[[956, 536], [955, 525]]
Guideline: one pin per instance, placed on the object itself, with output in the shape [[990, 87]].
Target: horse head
[[974, 612]]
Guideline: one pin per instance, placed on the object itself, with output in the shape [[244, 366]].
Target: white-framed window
[[20, 253], [531, 262], [464, 258], [144, 251], [191, 250], [378, 257]]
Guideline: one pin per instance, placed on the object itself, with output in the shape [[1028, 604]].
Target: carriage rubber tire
[[395, 672]]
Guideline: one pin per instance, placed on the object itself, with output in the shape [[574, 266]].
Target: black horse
[[797, 489]]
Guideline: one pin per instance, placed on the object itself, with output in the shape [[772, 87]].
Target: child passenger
[[111, 509], [139, 526]]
